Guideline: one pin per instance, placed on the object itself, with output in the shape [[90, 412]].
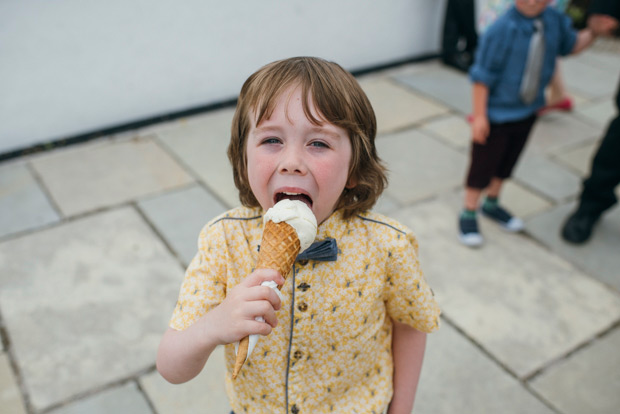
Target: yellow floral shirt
[[332, 349]]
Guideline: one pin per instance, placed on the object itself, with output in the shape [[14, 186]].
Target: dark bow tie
[[322, 250]]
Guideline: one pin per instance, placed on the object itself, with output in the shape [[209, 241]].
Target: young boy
[[348, 335], [504, 109]]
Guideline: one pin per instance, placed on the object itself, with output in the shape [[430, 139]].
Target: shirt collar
[[524, 22]]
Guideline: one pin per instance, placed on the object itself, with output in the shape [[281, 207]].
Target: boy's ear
[[351, 183]]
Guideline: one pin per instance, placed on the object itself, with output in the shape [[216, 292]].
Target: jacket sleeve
[[491, 54]]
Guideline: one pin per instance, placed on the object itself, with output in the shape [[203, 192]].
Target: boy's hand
[[480, 129], [233, 319]]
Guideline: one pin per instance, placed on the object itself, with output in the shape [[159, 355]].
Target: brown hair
[[338, 99]]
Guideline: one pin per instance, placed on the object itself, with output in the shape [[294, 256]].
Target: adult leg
[[451, 34], [459, 25], [469, 26], [598, 189]]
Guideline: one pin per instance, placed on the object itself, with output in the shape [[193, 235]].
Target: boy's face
[[531, 8], [290, 157]]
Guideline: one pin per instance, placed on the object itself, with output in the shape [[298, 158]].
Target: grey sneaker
[[503, 217], [468, 232]]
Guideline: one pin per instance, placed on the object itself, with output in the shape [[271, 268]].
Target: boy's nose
[[292, 162]]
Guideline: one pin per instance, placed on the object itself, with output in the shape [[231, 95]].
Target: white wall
[[69, 67]]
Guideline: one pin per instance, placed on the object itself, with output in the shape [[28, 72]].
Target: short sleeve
[[410, 300], [204, 286], [491, 55]]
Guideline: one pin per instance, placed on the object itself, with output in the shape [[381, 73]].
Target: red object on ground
[[565, 104]]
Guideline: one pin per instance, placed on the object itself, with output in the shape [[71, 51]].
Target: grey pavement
[[94, 239]]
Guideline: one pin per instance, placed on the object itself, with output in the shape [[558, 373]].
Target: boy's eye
[[319, 144], [271, 140]]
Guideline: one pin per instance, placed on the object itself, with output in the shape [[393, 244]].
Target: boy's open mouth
[[294, 196]]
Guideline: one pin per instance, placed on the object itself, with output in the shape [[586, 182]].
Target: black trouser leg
[[459, 24], [598, 189]]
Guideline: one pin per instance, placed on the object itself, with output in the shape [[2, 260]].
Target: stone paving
[[94, 239]]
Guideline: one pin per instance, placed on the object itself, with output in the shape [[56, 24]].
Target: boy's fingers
[[263, 293], [259, 276], [271, 319], [261, 328], [264, 310]]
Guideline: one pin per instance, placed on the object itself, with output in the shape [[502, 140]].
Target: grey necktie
[[531, 76]]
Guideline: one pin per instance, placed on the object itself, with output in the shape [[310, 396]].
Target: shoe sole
[[470, 240]]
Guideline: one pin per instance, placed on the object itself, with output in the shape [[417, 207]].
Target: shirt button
[[294, 409], [303, 262], [298, 354], [303, 286], [303, 306]]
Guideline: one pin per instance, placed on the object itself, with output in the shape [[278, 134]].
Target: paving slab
[[591, 81], [548, 178], [523, 305], [386, 205], [521, 201], [23, 204], [457, 377], [201, 143], [204, 394], [604, 59], [598, 113], [598, 257], [419, 166], [448, 86], [180, 215], [453, 130], [124, 399], [107, 173], [10, 396], [578, 158], [557, 131], [397, 107], [86, 303], [586, 382]]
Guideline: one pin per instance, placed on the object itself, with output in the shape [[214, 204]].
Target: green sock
[[490, 202], [468, 214]]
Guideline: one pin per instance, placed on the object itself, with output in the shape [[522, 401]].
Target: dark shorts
[[498, 156]]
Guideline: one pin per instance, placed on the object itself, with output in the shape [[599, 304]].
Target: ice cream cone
[[278, 250]]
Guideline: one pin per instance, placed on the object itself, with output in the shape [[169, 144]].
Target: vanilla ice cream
[[298, 215]]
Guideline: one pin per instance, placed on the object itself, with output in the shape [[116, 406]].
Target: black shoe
[[468, 232], [503, 217], [578, 227]]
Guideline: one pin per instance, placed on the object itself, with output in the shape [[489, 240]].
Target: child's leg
[[518, 133], [557, 89], [495, 187], [485, 159], [472, 198], [557, 95]]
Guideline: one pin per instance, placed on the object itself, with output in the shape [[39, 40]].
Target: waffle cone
[[278, 250]]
